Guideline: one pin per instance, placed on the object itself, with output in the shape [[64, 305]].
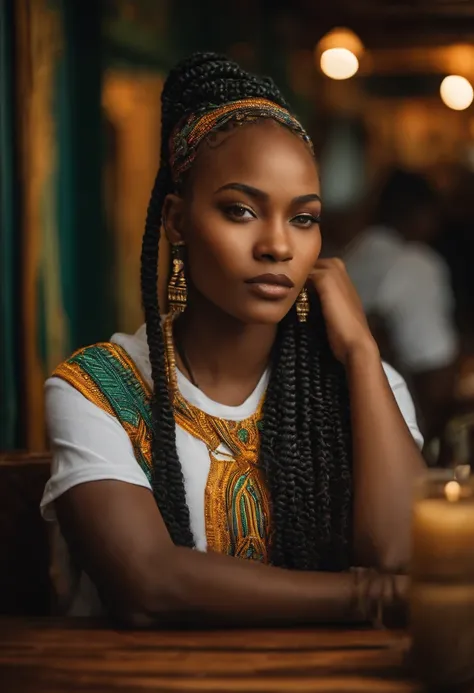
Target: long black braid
[[305, 442]]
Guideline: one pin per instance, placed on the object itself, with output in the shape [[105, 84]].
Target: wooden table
[[51, 656]]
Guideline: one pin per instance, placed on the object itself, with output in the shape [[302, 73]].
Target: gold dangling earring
[[177, 289], [302, 305]]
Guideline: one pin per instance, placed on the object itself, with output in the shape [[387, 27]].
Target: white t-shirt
[[90, 445], [408, 285]]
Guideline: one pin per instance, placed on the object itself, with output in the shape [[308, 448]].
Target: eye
[[306, 220], [239, 212]]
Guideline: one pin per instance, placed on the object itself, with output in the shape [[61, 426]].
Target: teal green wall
[[87, 251], [9, 242]]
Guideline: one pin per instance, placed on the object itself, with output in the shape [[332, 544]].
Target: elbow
[[392, 563], [394, 558], [387, 556], [163, 597]]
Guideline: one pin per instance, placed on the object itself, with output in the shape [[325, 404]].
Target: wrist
[[379, 597], [363, 352], [366, 594]]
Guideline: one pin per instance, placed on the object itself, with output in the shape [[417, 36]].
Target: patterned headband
[[188, 135]]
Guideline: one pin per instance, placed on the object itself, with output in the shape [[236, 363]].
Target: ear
[[173, 211]]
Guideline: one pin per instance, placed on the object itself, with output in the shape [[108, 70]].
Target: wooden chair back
[[24, 554]]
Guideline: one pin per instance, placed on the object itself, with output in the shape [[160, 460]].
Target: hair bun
[[206, 79]]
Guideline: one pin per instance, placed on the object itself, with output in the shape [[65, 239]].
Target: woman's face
[[249, 219]]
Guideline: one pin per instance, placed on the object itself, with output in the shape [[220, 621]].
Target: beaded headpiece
[[189, 134]]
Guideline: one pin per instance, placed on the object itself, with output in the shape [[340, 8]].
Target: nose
[[274, 243]]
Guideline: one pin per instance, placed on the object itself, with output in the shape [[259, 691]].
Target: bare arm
[[386, 463], [386, 458], [116, 531]]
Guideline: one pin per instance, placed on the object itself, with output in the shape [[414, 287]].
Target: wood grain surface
[[54, 656]]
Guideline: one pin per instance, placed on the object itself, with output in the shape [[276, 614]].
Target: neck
[[226, 356]]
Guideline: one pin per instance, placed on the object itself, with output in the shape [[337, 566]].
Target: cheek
[[309, 249], [216, 249]]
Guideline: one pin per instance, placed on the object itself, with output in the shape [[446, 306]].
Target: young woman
[[256, 420]]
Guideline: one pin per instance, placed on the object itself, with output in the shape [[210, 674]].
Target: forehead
[[263, 154]]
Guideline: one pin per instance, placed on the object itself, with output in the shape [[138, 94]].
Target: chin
[[264, 313]]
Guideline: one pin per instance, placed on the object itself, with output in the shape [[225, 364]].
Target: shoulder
[[405, 401], [88, 444], [106, 374], [99, 421], [121, 351], [92, 364], [136, 346], [395, 380]]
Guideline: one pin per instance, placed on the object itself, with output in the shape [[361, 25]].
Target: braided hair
[[305, 446]]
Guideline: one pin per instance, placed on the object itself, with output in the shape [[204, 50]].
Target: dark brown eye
[[306, 220], [237, 211]]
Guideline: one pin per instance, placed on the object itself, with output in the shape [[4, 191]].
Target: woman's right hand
[[381, 598]]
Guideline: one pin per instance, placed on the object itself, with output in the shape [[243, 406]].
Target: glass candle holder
[[442, 585]]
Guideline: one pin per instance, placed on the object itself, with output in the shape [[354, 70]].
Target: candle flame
[[452, 491]]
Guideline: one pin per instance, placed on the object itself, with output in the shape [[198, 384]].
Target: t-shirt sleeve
[[404, 401], [88, 444], [417, 303]]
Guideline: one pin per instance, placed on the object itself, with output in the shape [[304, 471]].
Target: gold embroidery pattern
[[106, 375], [237, 508]]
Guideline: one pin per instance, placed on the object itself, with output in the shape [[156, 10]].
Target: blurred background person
[[405, 288]]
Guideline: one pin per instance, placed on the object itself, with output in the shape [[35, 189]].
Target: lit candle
[[443, 534], [442, 587]]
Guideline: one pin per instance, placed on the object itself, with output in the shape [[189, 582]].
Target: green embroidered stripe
[[111, 379], [117, 383]]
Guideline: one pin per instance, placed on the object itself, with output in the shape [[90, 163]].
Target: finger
[[323, 275], [332, 263], [333, 282], [321, 283], [317, 276]]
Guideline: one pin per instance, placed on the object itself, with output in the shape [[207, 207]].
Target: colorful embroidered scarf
[[188, 135]]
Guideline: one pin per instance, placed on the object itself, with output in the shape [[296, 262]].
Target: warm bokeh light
[[339, 63], [339, 51], [452, 491], [456, 92]]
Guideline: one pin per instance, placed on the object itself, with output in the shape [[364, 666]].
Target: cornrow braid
[[168, 482], [305, 447]]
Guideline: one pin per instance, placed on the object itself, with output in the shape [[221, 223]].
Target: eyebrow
[[261, 195]]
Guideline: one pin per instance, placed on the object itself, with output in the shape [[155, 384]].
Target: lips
[[272, 280], [270, 287]]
